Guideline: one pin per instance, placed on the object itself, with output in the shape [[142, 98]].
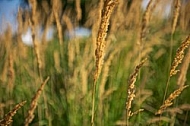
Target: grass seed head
[[7, 120], [34, 103], [102, 33], [169, 101], [179, 56], [131, 89]]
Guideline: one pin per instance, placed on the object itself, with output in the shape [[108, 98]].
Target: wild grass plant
[[102, 79]]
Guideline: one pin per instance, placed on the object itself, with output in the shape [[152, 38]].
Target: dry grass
[[177, 60], [78, 10], [34, 103], [68, 23], [11, 73], [102, 33], [176, 15], [184, 16], [131, 91], [179, 56], [7, 120], [184, 69], [100, 46], [73, 66], [169, 101], [34, 24], [133, 13], [145, 22], [57, 5]]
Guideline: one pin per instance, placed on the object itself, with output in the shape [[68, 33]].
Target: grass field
[[133, 70]]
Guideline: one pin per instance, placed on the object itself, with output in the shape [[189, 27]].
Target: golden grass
[[21, 28], [78, 10], [67, 21], [47, 24], [11, 73], [131, 91], [133, 13], [184, 68], [100, 46], [119, 21], [56, 12], [176, 14], [34, 23], [184, 16], [177, 60], [145, 22], [102, 33], [79, 61], [7, 120], [169, 101], [20, 24], [179, 56], [34, 103]]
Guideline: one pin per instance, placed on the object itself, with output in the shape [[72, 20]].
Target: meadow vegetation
[[133, 70]]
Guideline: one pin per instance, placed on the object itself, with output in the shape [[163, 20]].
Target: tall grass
[[87, 77], [100, 47]]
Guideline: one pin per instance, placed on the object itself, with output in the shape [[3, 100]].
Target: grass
[[103, 88]]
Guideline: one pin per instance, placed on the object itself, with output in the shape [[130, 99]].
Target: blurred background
[[81, 25], [57, 38]]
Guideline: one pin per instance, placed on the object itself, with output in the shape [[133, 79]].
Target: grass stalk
[[174, 24], [176, 15], [169, 101], [78, 10], [33, 23], [34, 103], [184, 69], [100, 47], [145, 22], [179, 56], [56, 12], [131, 91], [7, 120], [177, 60]]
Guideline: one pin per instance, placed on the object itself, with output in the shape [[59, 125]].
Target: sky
[[8, 11], [8, 17]]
